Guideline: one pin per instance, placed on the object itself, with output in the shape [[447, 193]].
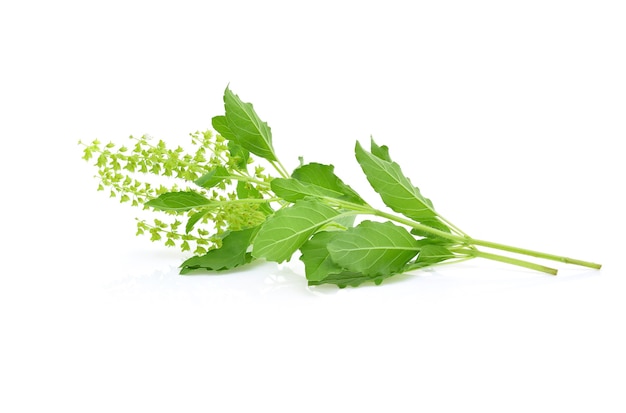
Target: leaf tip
[[358, 147], [227, 91]]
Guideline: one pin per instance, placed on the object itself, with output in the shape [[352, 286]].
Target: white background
[[509, 115]]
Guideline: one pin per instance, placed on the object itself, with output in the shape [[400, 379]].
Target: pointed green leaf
[[247, 128], [178, 201], [213, 177], [236, 151], [373, 248], [433, 223], [394, 188], [381, 152], [232, 253], [324, 176], [317, 261], [430, 254], [321, 269], [221, 126], [431, 238], [193, 220], [246, 190], [239, 154], [341, 223], [291, 190], [285, 231]]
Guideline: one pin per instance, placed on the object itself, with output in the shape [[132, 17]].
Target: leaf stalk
[[469, 241]]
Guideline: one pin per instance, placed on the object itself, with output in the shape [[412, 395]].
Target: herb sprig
[[220, 202]]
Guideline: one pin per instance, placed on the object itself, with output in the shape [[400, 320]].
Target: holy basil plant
[[221, 205]]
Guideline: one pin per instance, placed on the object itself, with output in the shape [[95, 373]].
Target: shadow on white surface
[[262, 281]]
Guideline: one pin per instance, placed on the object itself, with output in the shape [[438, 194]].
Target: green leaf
[[232, 253], [433, 223], [246, 190], [321, 269], [239, 154], [373, 248], [220, 125], [285, 231], [324, 176], [193, 220], [178, 201], [381, 152], [213, 177], [317, 261], [430, 237], [430, 254], [247, 128], [394, 188], [292, 190], [341, 223]]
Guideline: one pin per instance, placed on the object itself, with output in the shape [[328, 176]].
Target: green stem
[[280, 168], [247, 178], [359, 208], [286, 173], [472, 241], [245, 201], [467, 240], [532, 253], [510, 260], [452, 226]]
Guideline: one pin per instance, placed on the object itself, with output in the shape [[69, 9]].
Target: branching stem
[[509, 260], [468, 241]]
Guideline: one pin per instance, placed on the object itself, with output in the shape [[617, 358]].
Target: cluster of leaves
[[253, 215]]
